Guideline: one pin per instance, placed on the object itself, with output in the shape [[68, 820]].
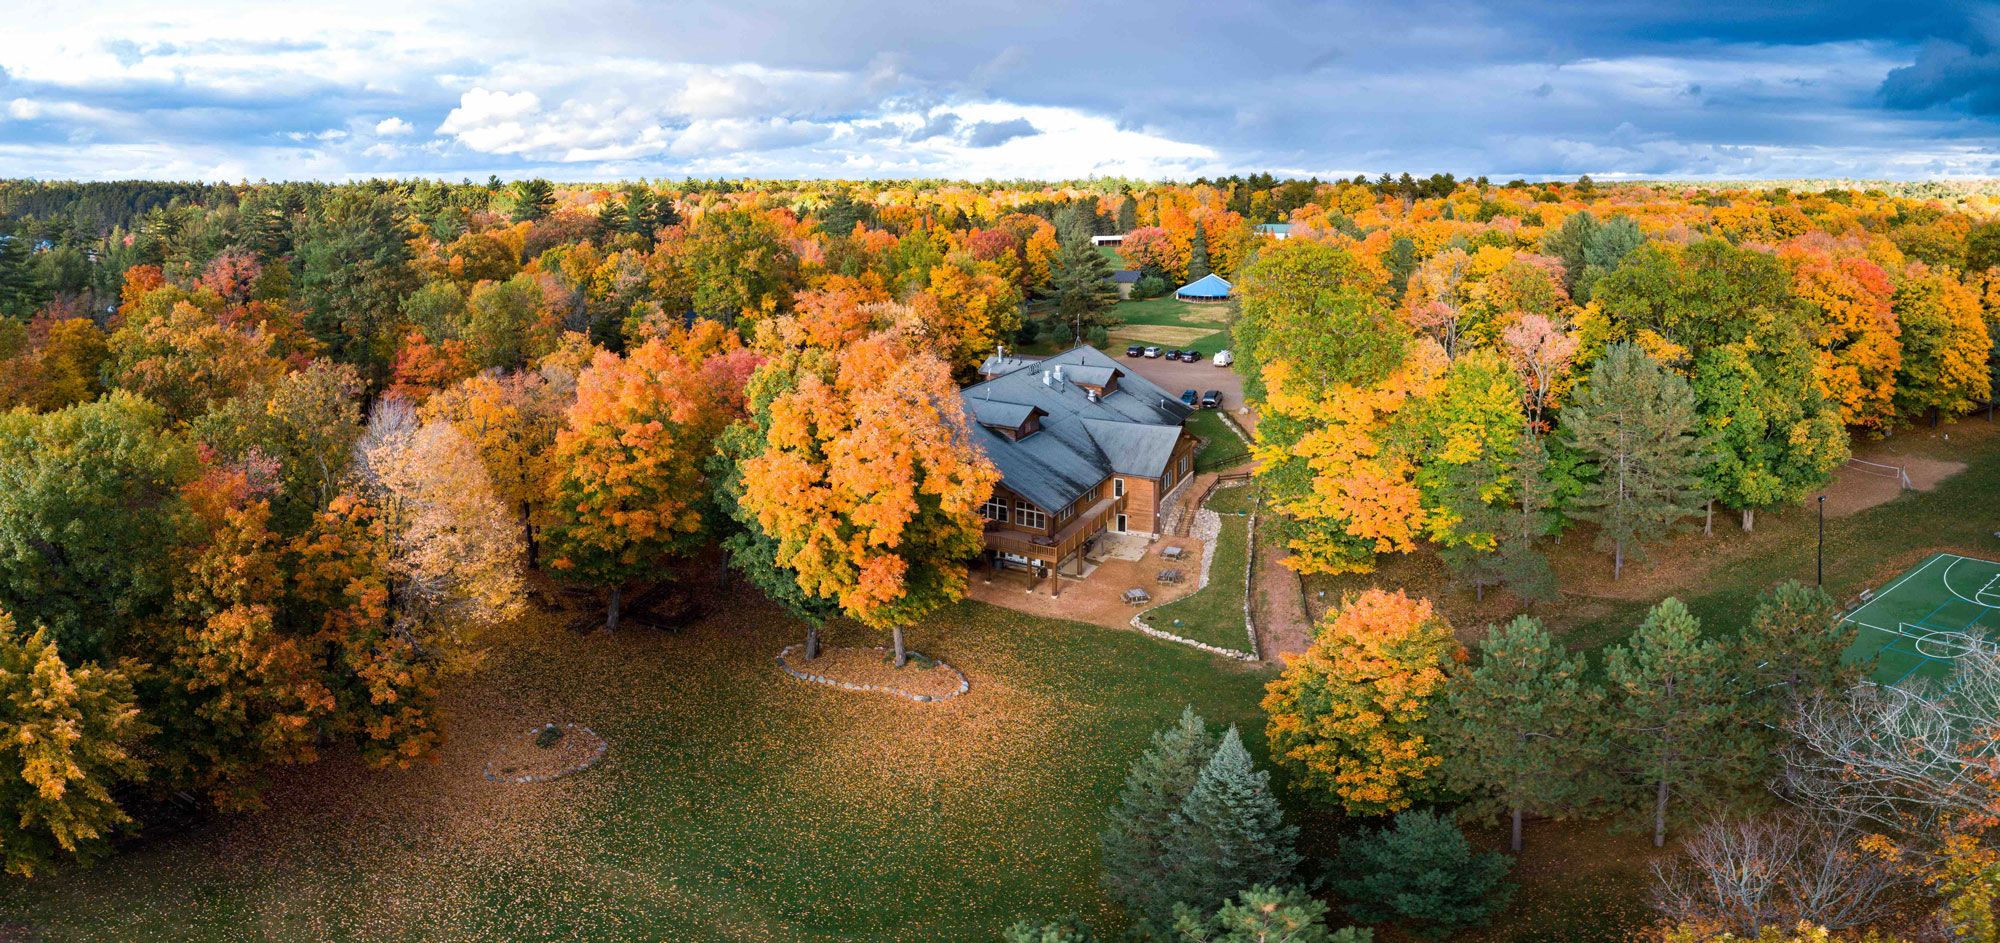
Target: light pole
[[1820, 556]]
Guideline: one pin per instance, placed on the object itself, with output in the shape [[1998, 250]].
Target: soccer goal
[[1896, 472]]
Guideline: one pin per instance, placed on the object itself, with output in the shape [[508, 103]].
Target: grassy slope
[[1215, 613], [736, 804], [1221, 448]]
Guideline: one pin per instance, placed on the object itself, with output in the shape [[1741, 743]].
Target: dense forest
[[273, 455]]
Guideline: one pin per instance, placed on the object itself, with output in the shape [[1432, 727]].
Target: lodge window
[[1185, 459], [994, 509], [1028, 515], [1117, 487]]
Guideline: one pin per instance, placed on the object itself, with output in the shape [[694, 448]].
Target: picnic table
[[1170, 576], [1136, 596], [1170, 553]]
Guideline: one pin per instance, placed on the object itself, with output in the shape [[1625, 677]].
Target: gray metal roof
[[1126, 276], [1000, 363], [1130, 431], [996, 413]]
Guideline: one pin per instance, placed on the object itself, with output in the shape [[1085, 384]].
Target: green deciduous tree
[[90, 513], [1635, 424], [1422, 873], [1519, 726], [1675, 715]]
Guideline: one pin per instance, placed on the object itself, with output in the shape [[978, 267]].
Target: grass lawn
[[735, 804], [1220, 446], [1174, 312], [1214, 614]]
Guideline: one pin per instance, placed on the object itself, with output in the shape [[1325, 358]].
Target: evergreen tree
[[1675, 716], [1080, 287], [354, 271], [1792, 650], [1423, 873], [1063, 930], [18, 291], [67, 741], [1519, 726], [1076, 222], [1590, 249], [1266, 914], [1401, 261], [1128, 214], [1634, 423], [1198, 255], [533, 198], [1136, 855], [1229, 833]]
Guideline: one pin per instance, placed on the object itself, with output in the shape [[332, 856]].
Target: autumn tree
[[1635, 424], [454, 558], [1944, 343], [1352, 716], [966, 313], [187, 362], [512, 421], [869, 484], [1674, 715], [1849, 309], [630, 482], [1520, 725], [71, 737]]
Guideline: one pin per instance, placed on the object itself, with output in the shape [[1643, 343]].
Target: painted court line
[[1886, 590]]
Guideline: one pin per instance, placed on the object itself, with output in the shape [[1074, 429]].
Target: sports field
[[1939, 611]]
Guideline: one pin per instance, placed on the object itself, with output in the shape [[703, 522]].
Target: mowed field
[[735, 803]]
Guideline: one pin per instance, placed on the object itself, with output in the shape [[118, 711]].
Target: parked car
[[1224, 358], [1152, 353], [1181, 355], [1192, 356], [1211, 399], [1189, 397], [1134, 350]]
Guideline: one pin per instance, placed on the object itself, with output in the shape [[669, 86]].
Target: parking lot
[[1201, 377]]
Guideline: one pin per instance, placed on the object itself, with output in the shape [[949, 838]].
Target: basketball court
[[1939, 611]]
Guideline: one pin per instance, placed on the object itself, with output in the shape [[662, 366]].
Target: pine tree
[[1062, 930], [1423, 873], [1198, 255], [1519, 726], [66, 736], [1136, 856], [1675, 717], [1265, 914], [19, 292], [532, 199], [1128, 214], [1635, 424], [1793, 650], [1080, 286], [1229, 833]]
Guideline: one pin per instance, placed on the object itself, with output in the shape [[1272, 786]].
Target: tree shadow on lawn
[[735, 802]]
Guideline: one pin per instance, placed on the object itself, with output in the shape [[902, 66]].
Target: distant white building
[[1112, 240]]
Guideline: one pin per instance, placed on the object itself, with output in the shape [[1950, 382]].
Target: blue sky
[[603, 89]]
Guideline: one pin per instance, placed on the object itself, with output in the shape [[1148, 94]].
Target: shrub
[[1266, 915], [1423, 873], [1064, 930], [1149, 286]]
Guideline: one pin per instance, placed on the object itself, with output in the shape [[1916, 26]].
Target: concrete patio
[[1098, 596]]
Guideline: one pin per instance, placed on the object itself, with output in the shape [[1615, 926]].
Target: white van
[[1224, 358]]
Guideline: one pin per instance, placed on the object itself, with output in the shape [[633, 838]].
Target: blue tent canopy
[[1210, 286]]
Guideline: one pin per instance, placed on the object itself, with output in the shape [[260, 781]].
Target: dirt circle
[[869, 669], [550, 751]]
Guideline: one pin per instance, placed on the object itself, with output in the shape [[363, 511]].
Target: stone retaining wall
[[964, 685]]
